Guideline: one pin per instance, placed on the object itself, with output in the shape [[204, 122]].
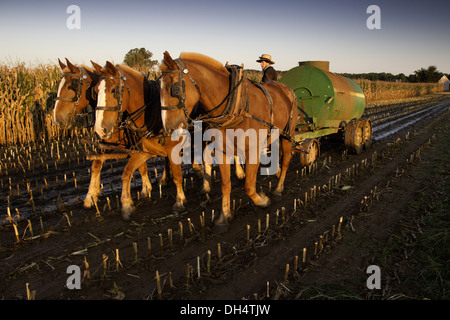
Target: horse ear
[[97, 67], [111, 68], [93, 74], [72, 68], [62, 65], [169, 61]]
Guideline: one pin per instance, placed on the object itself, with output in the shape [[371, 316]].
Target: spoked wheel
[[311, 146]]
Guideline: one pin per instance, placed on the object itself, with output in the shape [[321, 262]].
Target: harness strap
[[268, 97]]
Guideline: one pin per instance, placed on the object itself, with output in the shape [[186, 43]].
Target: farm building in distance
[[444, 80]]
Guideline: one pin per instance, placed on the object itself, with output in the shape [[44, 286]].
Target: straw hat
[[265, 57]]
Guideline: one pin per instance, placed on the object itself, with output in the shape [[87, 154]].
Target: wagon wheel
[[312, 147], [366, 126], [354, 137]]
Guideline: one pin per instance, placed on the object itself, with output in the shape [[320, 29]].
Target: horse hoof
[[265, 201], [88, 202], [277, 193], [240, 176], [127, 211], [221, 224], [145, 194], [178, 207]]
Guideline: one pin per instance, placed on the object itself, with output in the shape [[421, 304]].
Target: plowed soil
[[372, 200]]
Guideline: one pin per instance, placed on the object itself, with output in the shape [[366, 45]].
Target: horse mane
[[130, 70], [87, 68], [205, 60]]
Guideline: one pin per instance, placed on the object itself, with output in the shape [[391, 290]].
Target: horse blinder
[[178, 89]]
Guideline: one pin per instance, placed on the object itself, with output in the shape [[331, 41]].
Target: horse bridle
[[76, 85], [178, 89], [118, 94]]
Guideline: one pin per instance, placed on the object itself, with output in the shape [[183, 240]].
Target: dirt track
[[246, 266]]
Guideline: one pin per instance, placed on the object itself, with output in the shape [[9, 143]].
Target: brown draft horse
[[75, 93], [195, 77], [123, 96]]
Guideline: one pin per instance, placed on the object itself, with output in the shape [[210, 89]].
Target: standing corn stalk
[[27, 98]]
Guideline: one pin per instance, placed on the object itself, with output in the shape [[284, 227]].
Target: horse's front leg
[[286, 147], [240, 173], [178, 180], [166, 172], [208, 162], [226, 214], [94, 186], [260, 200], [136, 161], [146, 184]]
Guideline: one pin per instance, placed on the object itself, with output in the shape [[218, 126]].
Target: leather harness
[[237, 108]]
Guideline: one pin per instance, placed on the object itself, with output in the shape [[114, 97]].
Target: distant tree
[[428, 75], [401, 77], [140, 59]]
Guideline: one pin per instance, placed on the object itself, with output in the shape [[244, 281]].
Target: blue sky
[[413, 34]]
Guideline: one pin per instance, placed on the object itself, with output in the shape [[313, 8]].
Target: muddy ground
[[252, 264]]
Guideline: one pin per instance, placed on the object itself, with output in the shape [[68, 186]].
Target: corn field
[[376, 91], [27, 98]]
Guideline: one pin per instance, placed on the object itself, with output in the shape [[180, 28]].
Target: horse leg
[[208, 169], [166, 173], [260, 200], [94, 185], [146, 184], [226, 214], [286, 146], [240, 174], [136, 161], [178, 180], [198, 170]]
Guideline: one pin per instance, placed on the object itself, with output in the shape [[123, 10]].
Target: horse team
[[134, 113]]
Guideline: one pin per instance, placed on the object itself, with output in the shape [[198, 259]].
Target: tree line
[[141, 59], [422, 75]]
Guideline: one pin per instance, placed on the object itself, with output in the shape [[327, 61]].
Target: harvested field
[[261, 256]]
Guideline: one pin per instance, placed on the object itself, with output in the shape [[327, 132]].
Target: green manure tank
[[327, 103], [324, 99]]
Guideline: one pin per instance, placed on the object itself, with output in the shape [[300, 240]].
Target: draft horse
[[125, 97], [75, 93], [196, 78]]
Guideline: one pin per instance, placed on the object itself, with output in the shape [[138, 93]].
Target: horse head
[[111, 98], [176, 106], [74, 92]]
